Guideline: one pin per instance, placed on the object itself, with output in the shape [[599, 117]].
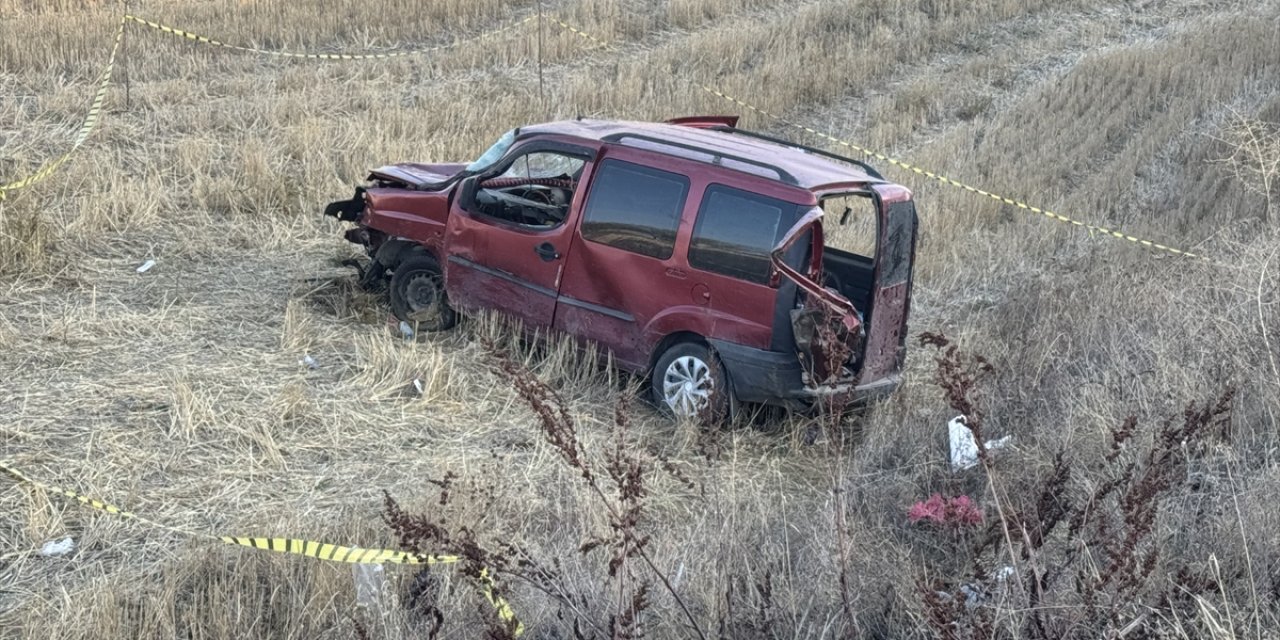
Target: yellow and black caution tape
[[292, 546], [195, 37], [1092, 228], [90, 123]]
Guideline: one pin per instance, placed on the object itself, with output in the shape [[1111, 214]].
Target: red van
[[691, 250]]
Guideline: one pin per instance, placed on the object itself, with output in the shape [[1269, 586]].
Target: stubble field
[[179, 394]]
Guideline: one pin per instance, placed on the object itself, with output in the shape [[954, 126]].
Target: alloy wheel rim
[[687, 386]]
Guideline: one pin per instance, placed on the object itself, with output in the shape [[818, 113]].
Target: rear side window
[[736, 230], [635, 208]]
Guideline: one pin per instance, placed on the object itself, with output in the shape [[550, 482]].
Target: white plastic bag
[[964, 450]]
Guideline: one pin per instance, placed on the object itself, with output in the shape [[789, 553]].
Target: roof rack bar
[[795, 145], [783, 174]]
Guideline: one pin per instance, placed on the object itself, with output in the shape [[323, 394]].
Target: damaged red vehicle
[[692, 251]]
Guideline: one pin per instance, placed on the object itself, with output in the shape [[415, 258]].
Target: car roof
[[809, 170]]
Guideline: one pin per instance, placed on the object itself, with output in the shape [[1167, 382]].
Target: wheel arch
[[671, 340], [679, 337], [396, 250]]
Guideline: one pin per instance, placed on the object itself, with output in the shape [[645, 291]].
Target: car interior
[[535, 190]]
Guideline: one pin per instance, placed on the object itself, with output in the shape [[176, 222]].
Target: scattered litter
[[958, 511], [55, 548], [974, 595], [406, 330], [964, 450], [417, 384], [371, 587], [146, 266], [1004, 573], [309, 362]]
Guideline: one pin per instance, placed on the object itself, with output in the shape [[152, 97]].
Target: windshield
[[495, 152], [544, 164]]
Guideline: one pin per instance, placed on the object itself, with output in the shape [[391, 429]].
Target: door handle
[[676, 273], [547, 252]]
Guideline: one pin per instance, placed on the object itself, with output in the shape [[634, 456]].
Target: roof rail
[[795, 145], [783, 174]]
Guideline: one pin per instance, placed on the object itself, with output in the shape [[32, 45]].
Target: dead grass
[[179, 393]]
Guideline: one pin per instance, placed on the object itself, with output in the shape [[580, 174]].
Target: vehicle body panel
[[417, 175], [886, 343], [400, 213]]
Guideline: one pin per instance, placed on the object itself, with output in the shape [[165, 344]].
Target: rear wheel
[[689, 383], [418, 296]]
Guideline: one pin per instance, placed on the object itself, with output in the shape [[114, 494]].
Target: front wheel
[[418, 296], [689, 383]]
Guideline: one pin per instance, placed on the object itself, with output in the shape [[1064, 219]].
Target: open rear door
[[828, 330], [895, 257]]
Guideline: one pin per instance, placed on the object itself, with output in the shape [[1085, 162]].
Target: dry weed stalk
[[1254, 157], [433, 534], [625, 470], [833, 343]]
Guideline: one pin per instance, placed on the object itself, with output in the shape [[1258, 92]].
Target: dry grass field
[[179, 394]]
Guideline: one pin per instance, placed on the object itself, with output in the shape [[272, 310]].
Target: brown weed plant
[[1087, 566], [433, 533], [626, 470]]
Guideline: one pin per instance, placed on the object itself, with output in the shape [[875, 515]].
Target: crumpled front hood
[[417, 175]]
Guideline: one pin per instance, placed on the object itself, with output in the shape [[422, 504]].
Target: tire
[[689, 383], [418, 295]]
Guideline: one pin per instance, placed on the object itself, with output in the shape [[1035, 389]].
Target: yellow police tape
[[90, 122], [294, 546], [319, 56], [1092, 228], [95, 110]]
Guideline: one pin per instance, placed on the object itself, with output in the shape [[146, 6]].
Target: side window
[[635, 208], [534, 191], [735, 232]]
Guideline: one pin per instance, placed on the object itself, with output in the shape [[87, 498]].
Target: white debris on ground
[[372, 591], [417, 384], [309, 362], [55, 548], [146, 266], [406, 330], [975, 594], [964, 450]]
